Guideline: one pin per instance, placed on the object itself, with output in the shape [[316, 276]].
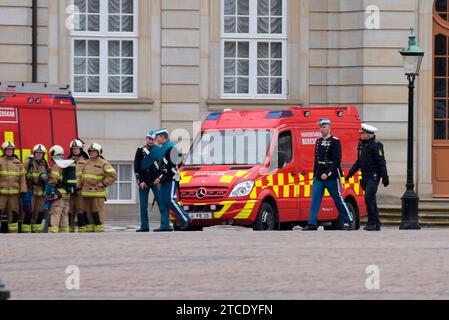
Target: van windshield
[[231, 147]]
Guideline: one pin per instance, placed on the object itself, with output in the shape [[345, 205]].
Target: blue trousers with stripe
[[143, 204], [167, 197], [333, 186]]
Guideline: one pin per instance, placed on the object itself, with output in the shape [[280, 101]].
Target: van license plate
[[200, 215]]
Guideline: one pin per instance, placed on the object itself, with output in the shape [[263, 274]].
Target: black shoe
[[349, 226], [310, 227], [143, 230], [163, 230], [371, 228], [186, 225]]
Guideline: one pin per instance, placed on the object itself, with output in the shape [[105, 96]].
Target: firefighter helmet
[[56, 151], [76, 144], [39, 148], [96, 147], [8, 145]]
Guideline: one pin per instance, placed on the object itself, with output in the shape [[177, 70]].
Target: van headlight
[[242, 189]]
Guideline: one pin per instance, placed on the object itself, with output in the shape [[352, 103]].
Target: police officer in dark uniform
[[145, 180], [327, 176], [371, 160]]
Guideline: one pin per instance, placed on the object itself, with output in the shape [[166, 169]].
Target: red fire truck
[[32, 113], [255, 168]]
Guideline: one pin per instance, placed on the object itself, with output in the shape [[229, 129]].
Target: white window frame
[[133, 184], [104, 36], [253, 38]]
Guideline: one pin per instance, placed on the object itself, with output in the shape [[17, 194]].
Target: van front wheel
[[266, 219]]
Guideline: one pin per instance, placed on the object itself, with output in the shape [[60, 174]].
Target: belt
[[325, 162]]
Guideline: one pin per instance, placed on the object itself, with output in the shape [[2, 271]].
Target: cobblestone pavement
[[228, 263]]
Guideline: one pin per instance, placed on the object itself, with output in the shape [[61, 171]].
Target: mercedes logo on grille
[[201, 193]]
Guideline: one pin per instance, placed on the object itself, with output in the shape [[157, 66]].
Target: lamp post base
[[410, 211]]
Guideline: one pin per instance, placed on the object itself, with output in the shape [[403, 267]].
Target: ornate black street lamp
[[413, 56]]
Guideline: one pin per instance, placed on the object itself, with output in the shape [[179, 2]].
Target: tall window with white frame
[[254, 49], [104, 48], [124, 188]]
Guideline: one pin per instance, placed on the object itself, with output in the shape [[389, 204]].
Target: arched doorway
[[440, 145]]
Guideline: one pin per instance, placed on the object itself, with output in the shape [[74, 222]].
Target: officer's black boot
[[310, 227]]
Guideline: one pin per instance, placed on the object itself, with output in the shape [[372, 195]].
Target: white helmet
[[39, 148], [76, 144], [8, 145], [56, 151], [96, 147]]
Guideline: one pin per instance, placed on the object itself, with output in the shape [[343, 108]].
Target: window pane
[[229, 85], [262, 67], [263, 7], [125, 173], [276, 68], [93, 84], [93, 66], [114, 6], [127, 67], [262, 85], [127, 23], [80, 48], [114, 66], [243, 68], [229, 67], [80, 66], [440, 67], [114, 48], [262, 25], [262, 50], [94, 6], [128, 6], [276, 85], [276, 50], [127, 49], [125, 191], [127, 85], [440, 130], [112, 192], [243, 25], [440, 88], [114, 84], [230, 24], [81, 4], [440, 45], [243, 50], [230, 50], [441, 5], [276, 7], [229, 7], [94, 48], [276, 25], [80, 24], [440, 109], [243, 8], [80, 84], [93, 22], [114, 23], [243, 85]]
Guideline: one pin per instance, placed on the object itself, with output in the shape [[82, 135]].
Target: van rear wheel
[[266, 219]]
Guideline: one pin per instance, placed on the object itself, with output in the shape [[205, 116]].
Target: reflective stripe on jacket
[[96, 175]]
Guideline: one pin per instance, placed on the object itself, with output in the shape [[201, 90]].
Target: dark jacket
[[327, 158], [169, 166], [149, 175], [371, 160]]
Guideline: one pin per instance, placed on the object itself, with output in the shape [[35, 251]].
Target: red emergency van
[[255, 168], [32, 113]]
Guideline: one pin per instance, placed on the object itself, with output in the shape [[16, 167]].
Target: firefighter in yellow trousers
[[12, 184], [76, 201], [57, 193], [37, 170], [96, 175]]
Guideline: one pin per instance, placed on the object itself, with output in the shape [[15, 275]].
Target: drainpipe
[[34, 41]]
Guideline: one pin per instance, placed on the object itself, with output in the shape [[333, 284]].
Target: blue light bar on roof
[[214, 116], [279, 114]]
